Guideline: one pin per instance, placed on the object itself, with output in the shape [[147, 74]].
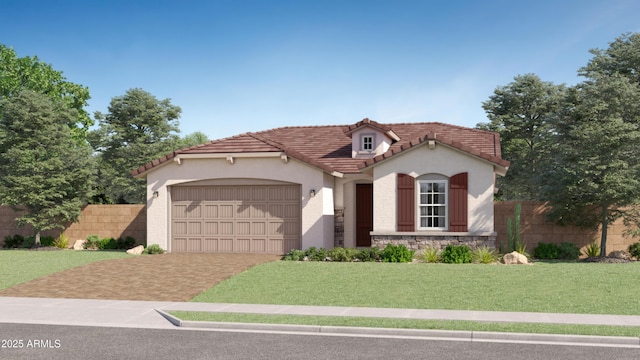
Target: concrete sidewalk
[[152, 314]]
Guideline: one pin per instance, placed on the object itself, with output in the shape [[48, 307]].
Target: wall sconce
[[156, 194], [312, 192]]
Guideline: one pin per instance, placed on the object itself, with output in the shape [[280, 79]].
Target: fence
[[102, 220], [535, 228]]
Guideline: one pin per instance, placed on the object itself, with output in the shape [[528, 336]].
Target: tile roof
[[329, 147]]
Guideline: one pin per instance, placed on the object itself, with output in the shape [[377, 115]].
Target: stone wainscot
[[419, 241]]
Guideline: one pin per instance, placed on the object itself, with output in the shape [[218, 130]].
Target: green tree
[[193, 139], [521, 112], [44, 172], [594, 175], [622, 57], [138, 129], [29, 73]]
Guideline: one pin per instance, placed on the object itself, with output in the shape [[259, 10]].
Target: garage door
[[236, 219]]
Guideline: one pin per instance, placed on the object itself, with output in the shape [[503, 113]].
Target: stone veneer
[[338, 239], [415, 241]]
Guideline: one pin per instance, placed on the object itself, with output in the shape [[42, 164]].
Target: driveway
[[166, 277]]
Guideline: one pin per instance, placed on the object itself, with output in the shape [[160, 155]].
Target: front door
[[364, 214]]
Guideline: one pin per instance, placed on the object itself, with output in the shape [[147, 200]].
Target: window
[[432, 203], [367, 142]]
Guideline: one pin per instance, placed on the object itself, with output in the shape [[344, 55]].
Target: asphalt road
[[25, 341]]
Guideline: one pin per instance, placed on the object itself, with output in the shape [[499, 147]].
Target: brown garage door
[[235, 219]]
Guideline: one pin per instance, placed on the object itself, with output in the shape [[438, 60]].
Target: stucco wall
[[441, 160], [315, 216]]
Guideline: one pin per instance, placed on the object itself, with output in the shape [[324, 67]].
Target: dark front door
[[364, 214]]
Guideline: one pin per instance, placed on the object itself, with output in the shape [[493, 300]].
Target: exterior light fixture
[[312, 192], [156, 194]]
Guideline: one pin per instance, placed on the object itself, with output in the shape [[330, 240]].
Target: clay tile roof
[[329, 147]]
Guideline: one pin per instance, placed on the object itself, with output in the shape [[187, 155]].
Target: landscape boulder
[[79, 244], [136, 250], [514, 258]]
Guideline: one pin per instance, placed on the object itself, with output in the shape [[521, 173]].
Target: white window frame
[[363, 142], [444, 206]]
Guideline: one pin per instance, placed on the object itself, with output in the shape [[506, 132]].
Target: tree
[[29, 73], [195, 138], [622, 57], [44, 172], [138, 129], [522, 112], [594, 175]]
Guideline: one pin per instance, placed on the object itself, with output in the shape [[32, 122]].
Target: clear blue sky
[[237, 66]]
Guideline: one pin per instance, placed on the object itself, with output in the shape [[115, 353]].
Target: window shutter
[[406, 203], [458, 190]]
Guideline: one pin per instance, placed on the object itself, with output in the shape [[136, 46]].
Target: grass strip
[[535, 328], [18, 266]]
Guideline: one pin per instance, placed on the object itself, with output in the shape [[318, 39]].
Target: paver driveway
[[167, 277]]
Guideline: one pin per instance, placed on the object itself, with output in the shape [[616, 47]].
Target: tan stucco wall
[[441, 160], [315, 218]]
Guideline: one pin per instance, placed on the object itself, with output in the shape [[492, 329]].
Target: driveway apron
[[166, 277]]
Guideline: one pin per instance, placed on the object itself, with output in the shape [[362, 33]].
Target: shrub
[[47, 240], [314, 254], [634, 250], [369, 254], [431, 255], [484, 255], [28, 242], [397, 253], [126, 243], [62, 242], [293, 255], [107, 244], [342, 254], [568, 251], [93, 242], [456, 254], [546, 251], [154, 249], [12, 242], [592, 250]]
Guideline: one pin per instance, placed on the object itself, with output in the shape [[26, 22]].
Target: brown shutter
[[406, 203], [458, 189]]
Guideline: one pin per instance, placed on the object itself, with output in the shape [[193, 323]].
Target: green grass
[[586, 288], [412, 324], [18, 266]]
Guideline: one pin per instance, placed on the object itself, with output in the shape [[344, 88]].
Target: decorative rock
[[79, 244], [514, 258], [620, 254], [136, 250]]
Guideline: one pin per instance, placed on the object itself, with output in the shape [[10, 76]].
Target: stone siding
[[419, 242], [339, 228]]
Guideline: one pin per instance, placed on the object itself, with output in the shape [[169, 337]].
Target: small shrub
[[153, 249], [314, 254], [93, 242], [62, 242], [431, 255], [47, 241], [546, 251], [456, 254], [12, 242], [592, 250], [28, 242], [107, 244], [634, 250], [341, 254], [484, 255], [294, 255], [126, 243], [397, 253], [369, 254], [568, 251]]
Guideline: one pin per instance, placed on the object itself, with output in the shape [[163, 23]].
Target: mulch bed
[[606, 259], [167, 277]]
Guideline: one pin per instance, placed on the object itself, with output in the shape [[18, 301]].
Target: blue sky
[[238, 66]]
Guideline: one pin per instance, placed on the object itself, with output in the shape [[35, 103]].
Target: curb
[[451, 335]]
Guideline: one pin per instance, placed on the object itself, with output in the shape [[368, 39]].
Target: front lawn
[[18, 266], [585, 288]]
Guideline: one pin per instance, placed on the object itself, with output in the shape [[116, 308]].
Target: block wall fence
[[102, 220], [131, 220], [536, 229]]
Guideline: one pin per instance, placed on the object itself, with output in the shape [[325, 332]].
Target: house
[[359, 185]]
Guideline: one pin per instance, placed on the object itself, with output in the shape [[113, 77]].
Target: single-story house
[[360, 185]]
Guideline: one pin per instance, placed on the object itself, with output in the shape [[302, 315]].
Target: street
[[26, 341]]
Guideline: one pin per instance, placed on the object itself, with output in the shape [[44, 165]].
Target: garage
[[236, 219]]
